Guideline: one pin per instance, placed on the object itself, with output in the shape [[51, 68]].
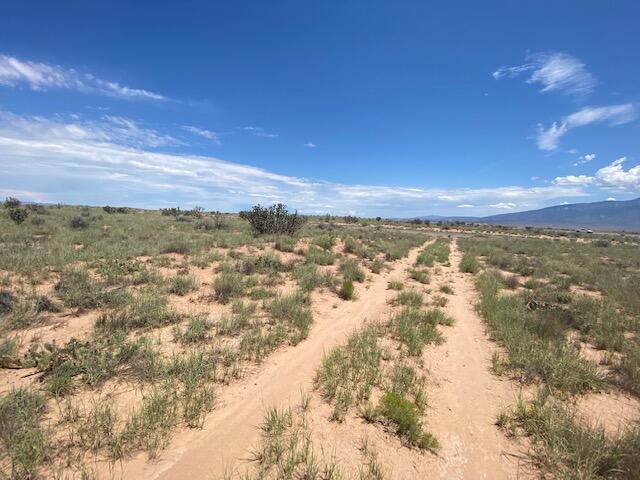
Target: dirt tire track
[[232, 428], [465, 398]]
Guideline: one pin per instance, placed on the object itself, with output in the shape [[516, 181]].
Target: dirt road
[[232, 428]]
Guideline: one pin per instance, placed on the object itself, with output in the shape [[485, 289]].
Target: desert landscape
[[335, 240], [189, 344]]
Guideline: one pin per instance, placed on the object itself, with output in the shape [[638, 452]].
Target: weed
[[182, 284], [25, 443], [350, 270], [196, 330], [469, 264], [347, 290], [228, 285], [409, 298], [403, 415]]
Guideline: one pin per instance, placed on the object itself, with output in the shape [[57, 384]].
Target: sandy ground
[[232, 428], [464, 399]]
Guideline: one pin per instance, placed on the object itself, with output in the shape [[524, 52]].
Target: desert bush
[[326, 242], [182, 284], [196, 330], [404, 415], [438, 251], [293, 311], [319, 256], [8, 352], [564, 446], [78, 222], [409, 298], [377, 265], [11, 202], [350, 270], [228, 285], [148, 308], [349, 373], [346, 291], [18, 215], [469, 264], [421, 276], [7, 301], [273, 220], [77, 289], [309, 277], [285, 244], [395, 285], [415, 329], [216, 222], [25, 442]]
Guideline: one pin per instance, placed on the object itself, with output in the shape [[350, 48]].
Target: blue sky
[[372, 108]]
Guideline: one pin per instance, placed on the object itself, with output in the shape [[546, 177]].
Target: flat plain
[[189, 344]]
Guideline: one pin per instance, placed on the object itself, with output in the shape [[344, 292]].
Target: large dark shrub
[[78, 222], [11, 202], [274, 219], [18, 215]]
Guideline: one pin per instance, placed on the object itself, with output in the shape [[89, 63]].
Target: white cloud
[[208, 134], [93, 158], [573, 180], [611, 199], [589, 157], [310, 145], [612, 177], [259, 132], [615, 177], [504, 206], [554, 71], [42, 76], [466, 205], [548, 139]]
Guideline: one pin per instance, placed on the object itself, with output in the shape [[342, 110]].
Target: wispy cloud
[[259, 132], [310, 145], [42, 76], [93, 161], [555, 71], [208, 134], [549, 138], [612, 177], [589, 157]]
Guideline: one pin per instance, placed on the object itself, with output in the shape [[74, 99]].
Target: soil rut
[[465, 398]]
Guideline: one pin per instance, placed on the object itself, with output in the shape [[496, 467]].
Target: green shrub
[[377, 265], [78, 222], [421, 276], [347, 290], [409, 298], [395, 285], [8, 352], [274, 220], [318, 256], [25, 443], [415, 329], [309, 277], [228, 285], [404, 415], [469, 264], [196, 331], [18, 215], [293, 311], [351, 271], [182, 284]]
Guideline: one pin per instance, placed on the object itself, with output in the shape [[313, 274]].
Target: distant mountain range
[[608, 215]]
